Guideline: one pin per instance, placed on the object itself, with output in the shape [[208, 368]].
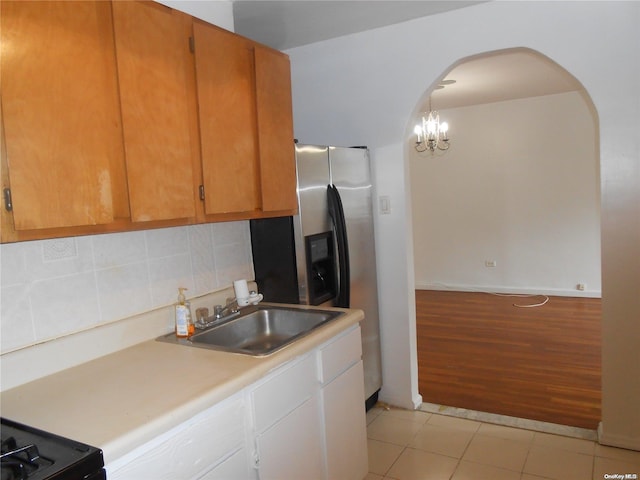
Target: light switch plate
[[385, 204]]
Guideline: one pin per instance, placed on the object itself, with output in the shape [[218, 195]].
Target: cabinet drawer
[[339, 355], [236, 467], [188, 449], [285, 391]]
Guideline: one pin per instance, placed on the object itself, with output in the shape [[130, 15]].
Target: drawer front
[[339, 355], [283, 392], [189, 449]]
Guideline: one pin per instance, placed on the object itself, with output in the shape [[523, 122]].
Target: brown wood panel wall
[[478, 351]]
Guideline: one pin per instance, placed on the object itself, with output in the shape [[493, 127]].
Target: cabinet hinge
[[201, 190], [8, 204], [192, 45]]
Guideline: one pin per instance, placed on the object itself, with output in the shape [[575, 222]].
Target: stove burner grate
[[18, 462]]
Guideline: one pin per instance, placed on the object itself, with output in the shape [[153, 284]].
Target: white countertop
[[124, 399]]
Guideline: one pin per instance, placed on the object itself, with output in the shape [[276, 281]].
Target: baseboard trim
[[408, 404], [558, 292], [508, 421], [620, 441]]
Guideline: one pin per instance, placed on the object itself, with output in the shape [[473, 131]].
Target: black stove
[[33, 454]]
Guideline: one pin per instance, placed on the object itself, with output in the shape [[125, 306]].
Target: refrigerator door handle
[[336, 212]]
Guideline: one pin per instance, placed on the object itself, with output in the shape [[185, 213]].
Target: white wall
[[519, 186], [362, 89]]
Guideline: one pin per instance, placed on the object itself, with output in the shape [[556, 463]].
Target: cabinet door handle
[[201, 190], [8, 204]]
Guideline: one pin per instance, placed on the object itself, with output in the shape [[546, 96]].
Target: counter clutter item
[[242, 292], [184, 323]]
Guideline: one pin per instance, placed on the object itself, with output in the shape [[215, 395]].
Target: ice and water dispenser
[[321, 267]]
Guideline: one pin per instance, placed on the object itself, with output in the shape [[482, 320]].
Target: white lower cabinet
[[344, 416], [235, 467], [305, 420], [342, 377], [286, 419], [292, 448], [189, 450]]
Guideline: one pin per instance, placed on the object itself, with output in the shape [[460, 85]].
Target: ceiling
[[293, 23], [502, 76], [511, 74]]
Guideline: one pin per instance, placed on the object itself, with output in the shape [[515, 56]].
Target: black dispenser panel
[[321, 268]]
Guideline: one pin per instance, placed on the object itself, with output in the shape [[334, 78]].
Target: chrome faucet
[[231, 307]]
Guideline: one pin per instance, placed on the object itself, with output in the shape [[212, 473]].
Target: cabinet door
[[235, 467], [226, 106], [275, 130], [345, 425], [61, 114], [292, 448], [155, 69], [190, 449]]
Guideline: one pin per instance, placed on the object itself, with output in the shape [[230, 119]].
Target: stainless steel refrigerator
[[325, 255]]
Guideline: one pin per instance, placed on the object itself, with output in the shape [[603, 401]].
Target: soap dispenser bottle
[[184, 323]]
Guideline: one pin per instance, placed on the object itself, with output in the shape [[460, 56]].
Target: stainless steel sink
[[258, 330]]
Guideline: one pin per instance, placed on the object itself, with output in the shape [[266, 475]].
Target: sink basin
[[258, 330]]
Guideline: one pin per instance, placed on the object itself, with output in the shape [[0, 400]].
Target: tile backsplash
[[51, 288]]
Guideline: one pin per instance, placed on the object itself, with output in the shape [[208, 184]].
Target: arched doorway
[[512, 206]]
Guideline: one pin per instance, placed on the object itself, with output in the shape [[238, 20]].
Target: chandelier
[[432, 135]]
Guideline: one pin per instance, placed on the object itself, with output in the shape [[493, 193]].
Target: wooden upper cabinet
[[275, 130], [155, 68], [227, 115], [61, 115], [117, 114]]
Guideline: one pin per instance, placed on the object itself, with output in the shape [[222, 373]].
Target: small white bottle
[[183, 316]]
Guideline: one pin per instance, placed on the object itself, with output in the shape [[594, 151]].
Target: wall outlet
[[490, 263], [581, 287]]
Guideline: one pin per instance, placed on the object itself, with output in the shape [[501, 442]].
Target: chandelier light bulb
[[431, 127], [418, 131]]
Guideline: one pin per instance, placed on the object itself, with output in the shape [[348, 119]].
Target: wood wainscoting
[[480, 352]]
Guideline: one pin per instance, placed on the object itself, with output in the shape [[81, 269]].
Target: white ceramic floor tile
[[372, 414], [559, 442], [630, 456], [410, 415], [443, 440], [412, 445], [418, 465], [460, 423], [373, 476], [508, 433], [612, 466], [393, 430], [382, 455], [498, 452], [558, 464], [477, 471]]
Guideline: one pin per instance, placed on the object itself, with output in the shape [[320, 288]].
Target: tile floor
[[416, 445]]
